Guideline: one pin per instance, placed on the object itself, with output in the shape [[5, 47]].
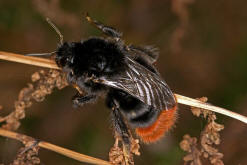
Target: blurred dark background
[[203, 52]]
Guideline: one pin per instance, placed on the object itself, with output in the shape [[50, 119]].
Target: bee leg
[[105, 29], [120, 126], [79, 100]]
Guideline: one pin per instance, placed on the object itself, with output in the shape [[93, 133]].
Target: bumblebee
[[134, 90]]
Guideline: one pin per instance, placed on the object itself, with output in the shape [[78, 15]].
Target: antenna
[[56, 29]]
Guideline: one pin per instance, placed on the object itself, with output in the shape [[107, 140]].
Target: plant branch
[[54, 148], [42, 62], [198, 104], [180, 99]]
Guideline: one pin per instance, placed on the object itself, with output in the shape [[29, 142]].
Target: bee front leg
[[79, 100]]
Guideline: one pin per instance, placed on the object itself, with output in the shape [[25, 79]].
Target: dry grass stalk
[[27, 141], [28, 60], [180, 99], [199, 104]]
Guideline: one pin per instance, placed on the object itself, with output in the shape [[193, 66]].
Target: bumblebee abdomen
[[146, 116], [157, 130], [135, 111]]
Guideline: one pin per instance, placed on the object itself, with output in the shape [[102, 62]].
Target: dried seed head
[[44, 83]]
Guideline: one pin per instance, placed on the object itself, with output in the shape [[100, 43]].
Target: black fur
[[95, 56], [99, 58], [137, 113]]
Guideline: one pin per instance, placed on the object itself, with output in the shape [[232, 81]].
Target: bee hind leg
[[120, 125]]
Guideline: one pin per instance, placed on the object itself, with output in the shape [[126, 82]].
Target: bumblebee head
[[65, 54], [97, 56]]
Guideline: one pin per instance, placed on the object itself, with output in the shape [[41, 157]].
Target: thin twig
[[42, 62], [198, 104], [180, 99], [54, 148]]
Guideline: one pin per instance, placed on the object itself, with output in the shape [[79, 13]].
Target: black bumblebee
[[134, 90]]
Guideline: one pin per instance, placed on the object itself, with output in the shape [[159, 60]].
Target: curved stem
[[198, 104], [54, 148], [42, 62]]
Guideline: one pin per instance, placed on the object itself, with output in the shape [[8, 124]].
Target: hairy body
[[134, 89]]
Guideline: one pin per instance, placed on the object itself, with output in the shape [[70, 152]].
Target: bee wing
[[144, 85]]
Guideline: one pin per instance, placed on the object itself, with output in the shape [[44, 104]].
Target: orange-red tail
[[157, 130]]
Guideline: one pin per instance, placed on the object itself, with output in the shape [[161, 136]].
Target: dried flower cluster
[[44, 83], [189, 144], [28, 155], [209, 138], [119, 156]]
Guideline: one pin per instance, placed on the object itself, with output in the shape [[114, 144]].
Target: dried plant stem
[[198, 104], [181, 99], [28, 60], [54, 148]]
